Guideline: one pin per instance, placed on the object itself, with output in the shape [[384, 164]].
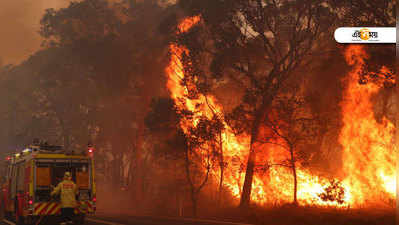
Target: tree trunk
[[293, 167], [221, 169], [295, 184], [192, 186], [195, 202], [144, 182], [65, 133], [221, 159], [139, 166], [116, 168], [66, 140], [249, 173]]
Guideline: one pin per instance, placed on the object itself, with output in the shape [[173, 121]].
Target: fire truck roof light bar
[[45, 148]]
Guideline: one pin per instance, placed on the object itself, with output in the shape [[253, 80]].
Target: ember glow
[[368, 159]]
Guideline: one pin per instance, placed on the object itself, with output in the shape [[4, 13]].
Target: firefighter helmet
[[67, 175]]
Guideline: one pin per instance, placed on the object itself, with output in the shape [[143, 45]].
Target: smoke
[[20, 23]]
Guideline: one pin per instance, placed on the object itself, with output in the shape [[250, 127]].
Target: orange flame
[[368, 159]]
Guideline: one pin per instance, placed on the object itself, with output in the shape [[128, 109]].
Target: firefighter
[[67, 190]]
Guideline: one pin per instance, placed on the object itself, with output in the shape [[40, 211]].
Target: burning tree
[[292, 127], [245, 51], [257, 45], [199, 155], [195, 145]]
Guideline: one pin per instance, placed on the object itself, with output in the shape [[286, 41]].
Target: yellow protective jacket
[[68, 190]]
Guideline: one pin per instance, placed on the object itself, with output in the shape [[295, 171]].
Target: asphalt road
[[133, 220]]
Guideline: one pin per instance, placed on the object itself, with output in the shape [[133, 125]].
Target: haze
[[20, 22]]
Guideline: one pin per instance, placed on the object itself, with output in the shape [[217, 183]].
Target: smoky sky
[[20, 23]]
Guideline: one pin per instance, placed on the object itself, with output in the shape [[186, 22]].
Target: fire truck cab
[[33, 173]]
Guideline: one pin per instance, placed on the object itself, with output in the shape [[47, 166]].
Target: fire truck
[[32, 174]]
